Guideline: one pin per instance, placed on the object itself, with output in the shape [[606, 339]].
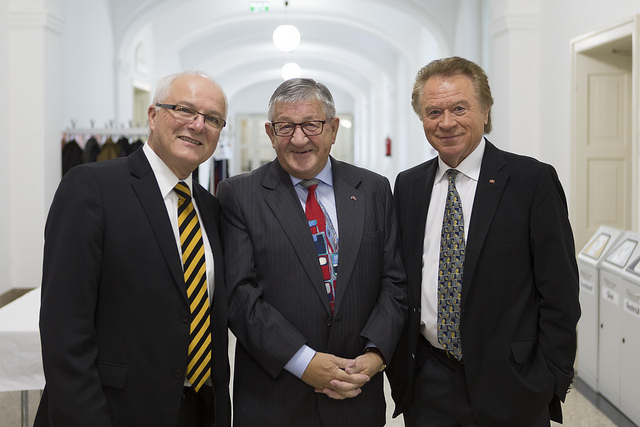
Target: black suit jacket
[[114, 320], [519, 294], [278, 301]]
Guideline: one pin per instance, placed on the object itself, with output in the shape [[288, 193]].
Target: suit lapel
[[491, 183], [418, 197], [285, 205], [350, 208], [210, 220], [146, 188]]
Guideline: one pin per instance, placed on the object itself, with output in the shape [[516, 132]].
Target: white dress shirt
[[167, 180], [466, 184]]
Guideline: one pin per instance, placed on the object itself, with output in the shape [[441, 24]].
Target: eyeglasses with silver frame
[[189, 114], [309, 128]]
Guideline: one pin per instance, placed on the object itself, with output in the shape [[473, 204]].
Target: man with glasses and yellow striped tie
[[133, 320]]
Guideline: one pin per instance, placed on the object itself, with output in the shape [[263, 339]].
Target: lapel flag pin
[[492, 181], [353, 197]]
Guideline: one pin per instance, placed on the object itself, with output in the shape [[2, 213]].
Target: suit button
[[179, 373], [185, 319], [329, 321], [413, 356]]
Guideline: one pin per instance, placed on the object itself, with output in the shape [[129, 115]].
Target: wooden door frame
[[580, 45]]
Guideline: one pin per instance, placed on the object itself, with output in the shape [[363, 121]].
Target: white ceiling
[[353, 45]]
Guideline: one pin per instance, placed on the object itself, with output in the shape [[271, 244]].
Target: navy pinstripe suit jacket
[[278, 301]]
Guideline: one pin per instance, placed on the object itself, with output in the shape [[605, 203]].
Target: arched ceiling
[[356, 44]]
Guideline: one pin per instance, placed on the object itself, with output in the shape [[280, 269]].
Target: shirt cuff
[[299, 362]]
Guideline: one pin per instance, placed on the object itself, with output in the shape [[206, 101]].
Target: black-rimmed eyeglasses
[[310, 128], [189, 114]]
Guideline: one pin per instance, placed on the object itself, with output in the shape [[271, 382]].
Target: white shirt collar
[[324, 175], [167, 180], [469, 166]]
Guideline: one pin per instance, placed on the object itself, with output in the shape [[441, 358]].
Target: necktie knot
[[182, 189], [308, 183], [451, 174]]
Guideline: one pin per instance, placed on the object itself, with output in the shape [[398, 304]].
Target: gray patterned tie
[[450, 271]]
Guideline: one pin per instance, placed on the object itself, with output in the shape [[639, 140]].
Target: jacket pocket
[[112, 375], [522, 349], [372, 238]]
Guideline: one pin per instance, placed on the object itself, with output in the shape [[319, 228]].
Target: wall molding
[[514, 22], [35, 20]]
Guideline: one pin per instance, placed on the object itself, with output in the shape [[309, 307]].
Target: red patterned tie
[[327, 253]]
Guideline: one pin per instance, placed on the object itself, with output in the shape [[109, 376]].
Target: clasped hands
[[341, 378]]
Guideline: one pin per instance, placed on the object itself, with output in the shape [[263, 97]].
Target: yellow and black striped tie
[[198, 361]]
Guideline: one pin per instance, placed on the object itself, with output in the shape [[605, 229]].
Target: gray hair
[[296, 90]]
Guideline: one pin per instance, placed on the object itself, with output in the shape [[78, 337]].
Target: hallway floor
[[583, 407]]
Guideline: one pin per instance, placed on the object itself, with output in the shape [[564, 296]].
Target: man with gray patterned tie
[[491, 270]]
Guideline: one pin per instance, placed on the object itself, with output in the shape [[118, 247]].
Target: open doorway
[[141, 102], [604, 145]]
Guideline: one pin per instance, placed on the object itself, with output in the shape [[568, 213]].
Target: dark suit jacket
[[519, 294], [278, 301], [114, 320]]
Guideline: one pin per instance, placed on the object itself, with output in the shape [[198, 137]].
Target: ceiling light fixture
[[290, 70], [286, 37]]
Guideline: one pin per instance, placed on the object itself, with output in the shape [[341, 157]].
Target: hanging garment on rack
[[124, 146], [135, 145], [220, 173], [71, 155], [109, 151], [91, 150]]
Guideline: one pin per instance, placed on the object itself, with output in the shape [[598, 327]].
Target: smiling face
[[183, 145], [299, 155], [452, 116]]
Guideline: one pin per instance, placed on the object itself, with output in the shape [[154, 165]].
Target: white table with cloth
[[20, 356]]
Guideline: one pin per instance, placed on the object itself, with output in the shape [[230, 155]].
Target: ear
[[151, 115], [270, 133], [335, 125]]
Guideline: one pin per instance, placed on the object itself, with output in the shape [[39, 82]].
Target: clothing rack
[[135, 131]]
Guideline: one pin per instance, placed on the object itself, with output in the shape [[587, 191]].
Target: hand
[[369, 363], [327, 374]]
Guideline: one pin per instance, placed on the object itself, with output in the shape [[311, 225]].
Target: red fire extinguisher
[[388, 147]]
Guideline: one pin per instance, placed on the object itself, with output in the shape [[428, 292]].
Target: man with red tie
[[317, 308]]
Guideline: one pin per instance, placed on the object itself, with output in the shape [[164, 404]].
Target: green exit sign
[[259, 6]]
